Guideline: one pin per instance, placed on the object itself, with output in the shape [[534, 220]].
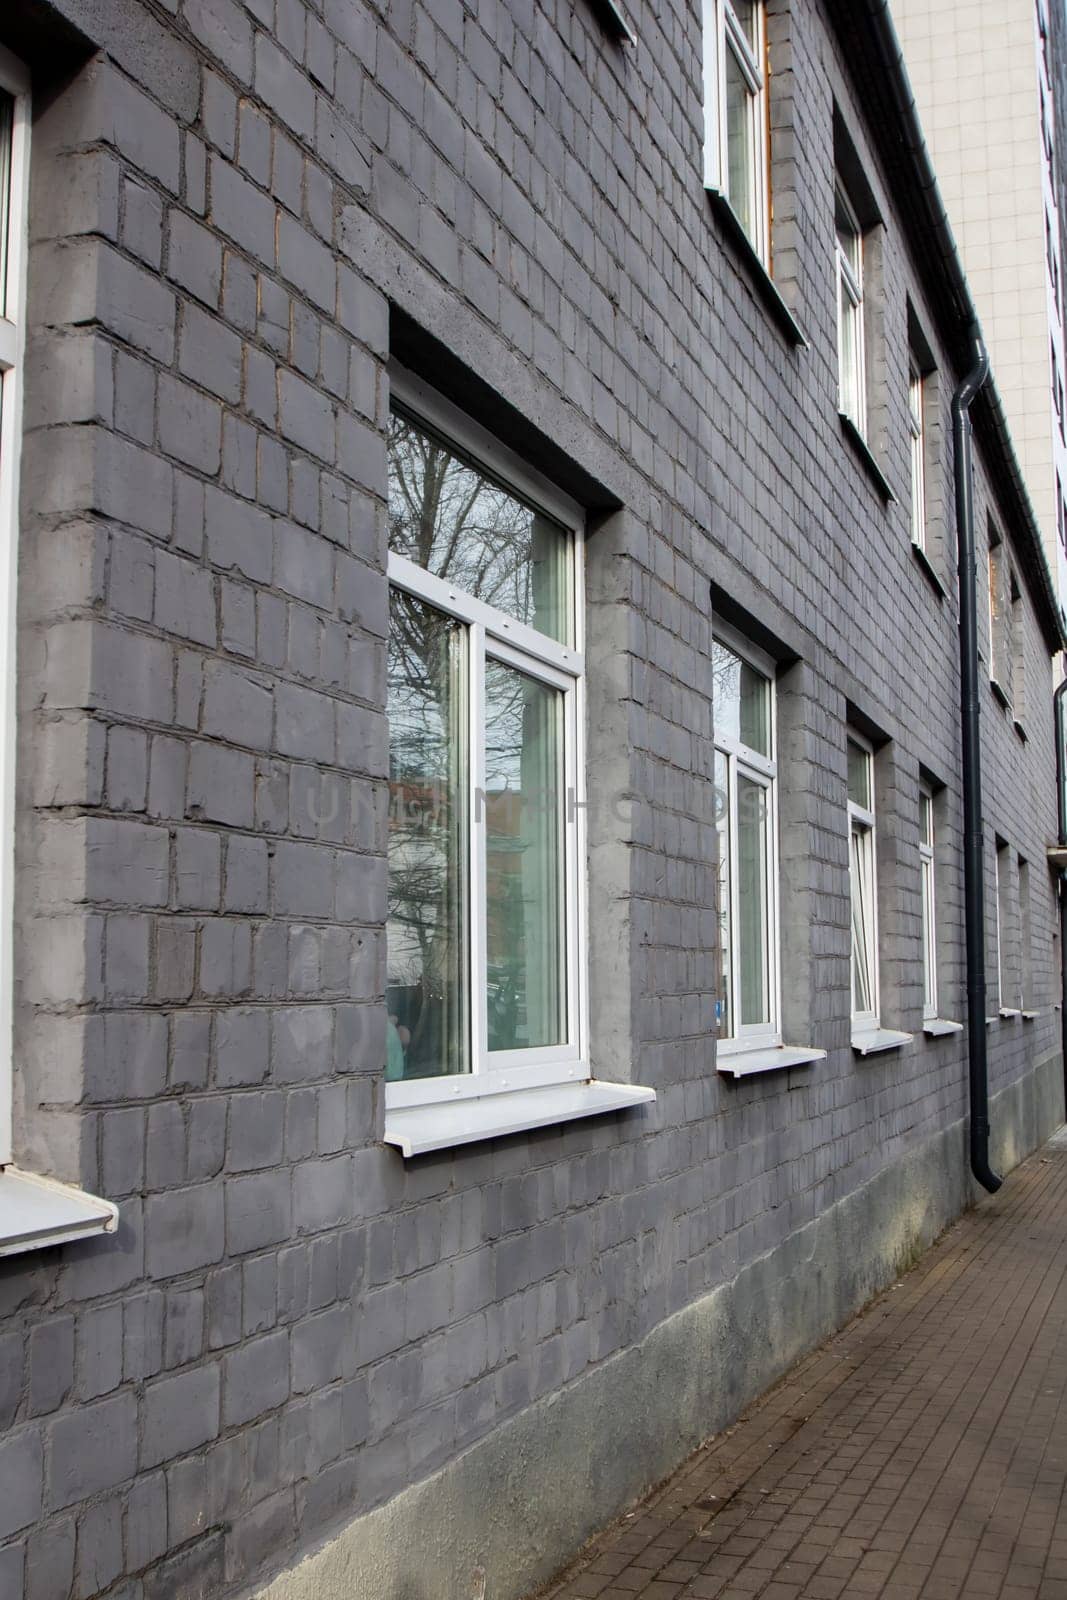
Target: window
[[926, 868], [1026, 948], [746, 776], [735, 113], [851, 359], [14, 165], [1000, 655], [863, 885], [1006, 996], [485, 981], [917, 426]]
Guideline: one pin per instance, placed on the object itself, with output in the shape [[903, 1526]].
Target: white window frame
[[743, 761], [850, 303], [15, 81], [862, 821], [722, 32], [927, 878], [494, 634], [917, 430]]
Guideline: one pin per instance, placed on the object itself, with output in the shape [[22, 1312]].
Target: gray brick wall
[[291, 1323]]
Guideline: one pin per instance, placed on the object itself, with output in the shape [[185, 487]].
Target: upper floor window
[[746, 779], [851, 356], [917, 429], [929, 902], [735, 113], [485, 961], [863, 884], [14, 170]]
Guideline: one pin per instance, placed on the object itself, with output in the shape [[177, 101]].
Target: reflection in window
[[452, 520], [524, 800], [428, 1029], [745, 778]]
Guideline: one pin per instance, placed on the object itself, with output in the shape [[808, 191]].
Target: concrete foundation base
[[508, 1512]]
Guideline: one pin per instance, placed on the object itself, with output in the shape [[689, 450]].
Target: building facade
[[989, 85], [483, 769]]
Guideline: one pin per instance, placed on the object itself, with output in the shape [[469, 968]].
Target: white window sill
[[38, 1212], [1009, 1013], [416, 1130], [1030, 1016], [870, 1041], [938, 1027], [768, 1058]]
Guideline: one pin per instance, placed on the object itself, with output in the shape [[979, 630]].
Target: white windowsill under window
[[1010, 1012], [765, 1058], [416, 1130], [870, 1041], [38, 1212], [938, 1027]]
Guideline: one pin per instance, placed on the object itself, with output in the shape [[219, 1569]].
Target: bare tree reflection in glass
[[426, 995]]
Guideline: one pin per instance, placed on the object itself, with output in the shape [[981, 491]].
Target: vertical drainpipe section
[[973, 854], [1059, 700]]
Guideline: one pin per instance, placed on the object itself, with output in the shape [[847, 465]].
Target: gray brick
[[322, 1194], [221, 785], [210, 354], [303, 564], [303, 880], [239, 537], [142, 224], [237, 707], [256, 1125], [194, 258], [253, 132], [242, 1051], [180, 1414], [99, 1547], [128, 862], [183, 1230], [92, 1449], [306, 263], [146, 1521], [302, 1042], [306, 416], [222, 27], [284, 88], [184, 1327], [51, 1364], [190, 425], [197, 1572], [305, 726], [241, 212], [127, 769], [142, 1335], [175, 963], [259, 1294], [246, 875], [319, 1347], [99, 1350], [122, 1154], [190, 1049], [126, 1056], [198, 868], [50, 1560], [255, 1378], [257, 1211]]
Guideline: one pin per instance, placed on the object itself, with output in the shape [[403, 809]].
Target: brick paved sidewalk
[[921, 1452]]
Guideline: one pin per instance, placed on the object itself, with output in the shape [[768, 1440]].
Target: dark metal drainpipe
[[973, 857], [1060, 707]]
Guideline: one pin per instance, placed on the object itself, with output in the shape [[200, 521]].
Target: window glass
[[722, 817], [918, 456], [449, 518], [753, 871], [746, 13], [524, 798], [859, 775], [740, 154], [862, 896], [848, 234], [426, 987], [742, 700], [7, 117]]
